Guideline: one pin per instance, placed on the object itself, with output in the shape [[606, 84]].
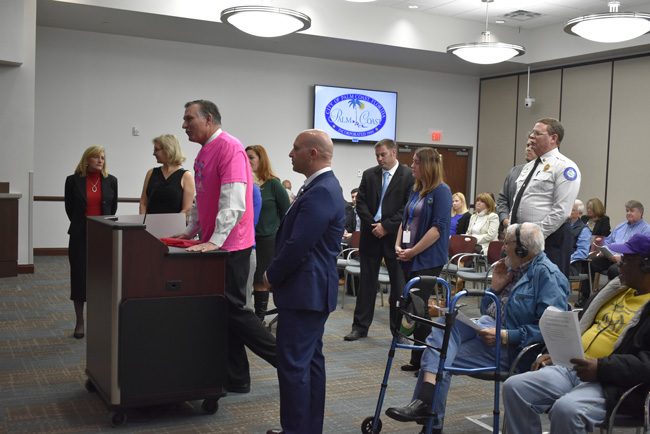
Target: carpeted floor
[[42, 375]]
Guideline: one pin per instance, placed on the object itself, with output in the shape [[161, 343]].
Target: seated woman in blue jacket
[[526, 282]]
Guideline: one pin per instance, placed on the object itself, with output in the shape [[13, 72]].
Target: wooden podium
[[156, 324], [9, 234]]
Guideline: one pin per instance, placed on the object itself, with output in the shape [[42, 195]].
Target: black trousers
[[559, 246], [601, 264], [370, 259], [422, 330], [244, 328]]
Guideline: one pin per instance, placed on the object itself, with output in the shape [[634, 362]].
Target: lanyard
[[411, 208]]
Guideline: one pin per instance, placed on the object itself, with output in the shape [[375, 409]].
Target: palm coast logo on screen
[[355, 115]]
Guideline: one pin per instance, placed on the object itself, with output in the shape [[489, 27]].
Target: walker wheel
[[90, 387], [117, 418], [210, 406], [367, 428]]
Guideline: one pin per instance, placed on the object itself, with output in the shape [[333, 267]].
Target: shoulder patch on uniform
[[570, 174]]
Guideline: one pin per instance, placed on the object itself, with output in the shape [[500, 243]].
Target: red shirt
[[93, 194]]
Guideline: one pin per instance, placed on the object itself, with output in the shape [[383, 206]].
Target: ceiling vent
[[522, 15]]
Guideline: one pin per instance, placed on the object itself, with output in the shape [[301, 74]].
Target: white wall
[[17, 109], [92, 88]]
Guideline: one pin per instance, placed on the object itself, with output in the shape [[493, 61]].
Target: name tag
[[406, 237]]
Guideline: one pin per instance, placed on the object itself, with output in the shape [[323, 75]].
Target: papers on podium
[[561, 333]]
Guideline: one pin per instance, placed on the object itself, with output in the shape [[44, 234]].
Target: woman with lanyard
[[423, 237]]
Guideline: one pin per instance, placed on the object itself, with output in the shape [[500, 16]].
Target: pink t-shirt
[[223, 161]]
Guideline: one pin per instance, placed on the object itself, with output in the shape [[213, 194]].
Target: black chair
[[624, 421]]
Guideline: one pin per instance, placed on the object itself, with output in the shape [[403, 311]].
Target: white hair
[[579, 206], [530, 235]]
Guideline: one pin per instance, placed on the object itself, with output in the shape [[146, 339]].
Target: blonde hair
[[486, 198], [91, 151], [460, 197], [170, 145], [431, 170]]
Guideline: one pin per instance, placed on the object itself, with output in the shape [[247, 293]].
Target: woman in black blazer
[[596, 219], [89, 191]]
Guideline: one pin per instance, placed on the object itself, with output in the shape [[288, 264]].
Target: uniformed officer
[[546, 190]]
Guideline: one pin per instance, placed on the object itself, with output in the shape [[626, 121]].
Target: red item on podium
[[179, 242]]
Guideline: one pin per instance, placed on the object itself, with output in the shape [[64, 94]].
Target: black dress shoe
[[416, 411], [409, 368], [78, 335], [239, 388], [355, 335], [275, 431]]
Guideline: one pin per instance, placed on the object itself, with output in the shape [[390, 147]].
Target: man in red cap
[[616, 341]]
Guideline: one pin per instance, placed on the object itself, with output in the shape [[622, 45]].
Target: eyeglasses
[[536, 133]]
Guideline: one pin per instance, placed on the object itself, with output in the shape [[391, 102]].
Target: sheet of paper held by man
[[561, 333]]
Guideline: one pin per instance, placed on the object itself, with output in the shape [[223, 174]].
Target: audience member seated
[[527, 282], [634, 224], [596, 219], [352, 221], [581, 239], [459, 214], [484, 223], [287, 185], [616, 340]]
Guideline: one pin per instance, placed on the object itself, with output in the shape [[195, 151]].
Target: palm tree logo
[[354, 103]]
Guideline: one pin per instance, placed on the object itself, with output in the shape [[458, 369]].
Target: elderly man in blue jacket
[[526, 282]]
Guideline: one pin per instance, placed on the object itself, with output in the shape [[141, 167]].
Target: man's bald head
[[321, 141], [312, 151]]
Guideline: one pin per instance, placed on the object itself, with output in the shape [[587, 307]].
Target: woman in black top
[[90, 191], [168, 188], [596, 219]]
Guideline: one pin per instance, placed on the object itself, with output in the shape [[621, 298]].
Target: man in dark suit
[[383, 192], [304, 280], [351, 218]]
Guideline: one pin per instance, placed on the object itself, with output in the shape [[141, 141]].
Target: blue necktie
[[384, 186]]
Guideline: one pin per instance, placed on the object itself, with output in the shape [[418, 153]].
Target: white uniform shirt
[[549, 197]]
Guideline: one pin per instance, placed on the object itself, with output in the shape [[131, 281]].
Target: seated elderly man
[[581, 240], [633, 224], [616, 340], [526, 282]]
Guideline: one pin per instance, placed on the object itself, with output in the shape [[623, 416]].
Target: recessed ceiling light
[[500, 21], [413, 6]]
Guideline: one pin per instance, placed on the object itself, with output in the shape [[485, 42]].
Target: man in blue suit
[[304, 280]]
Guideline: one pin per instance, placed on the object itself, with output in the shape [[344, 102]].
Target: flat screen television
[[355, 115]]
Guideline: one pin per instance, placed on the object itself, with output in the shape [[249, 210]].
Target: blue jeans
[[574, 406], [466, 350]]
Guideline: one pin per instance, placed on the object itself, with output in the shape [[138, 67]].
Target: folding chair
[[458, 246], [625, 421], [482, 272]]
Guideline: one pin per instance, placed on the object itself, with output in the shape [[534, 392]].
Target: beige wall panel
[[497, 120], [629, 153], [545, 88], [585, 116]]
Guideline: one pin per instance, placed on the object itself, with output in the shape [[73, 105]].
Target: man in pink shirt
[[223, 215]]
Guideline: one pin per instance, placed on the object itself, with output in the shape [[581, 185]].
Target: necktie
[[520, 193], [384, 186]]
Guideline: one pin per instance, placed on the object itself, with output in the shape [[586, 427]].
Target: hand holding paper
[[561, 333]]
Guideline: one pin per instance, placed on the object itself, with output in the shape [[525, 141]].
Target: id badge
[[406, 237]]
